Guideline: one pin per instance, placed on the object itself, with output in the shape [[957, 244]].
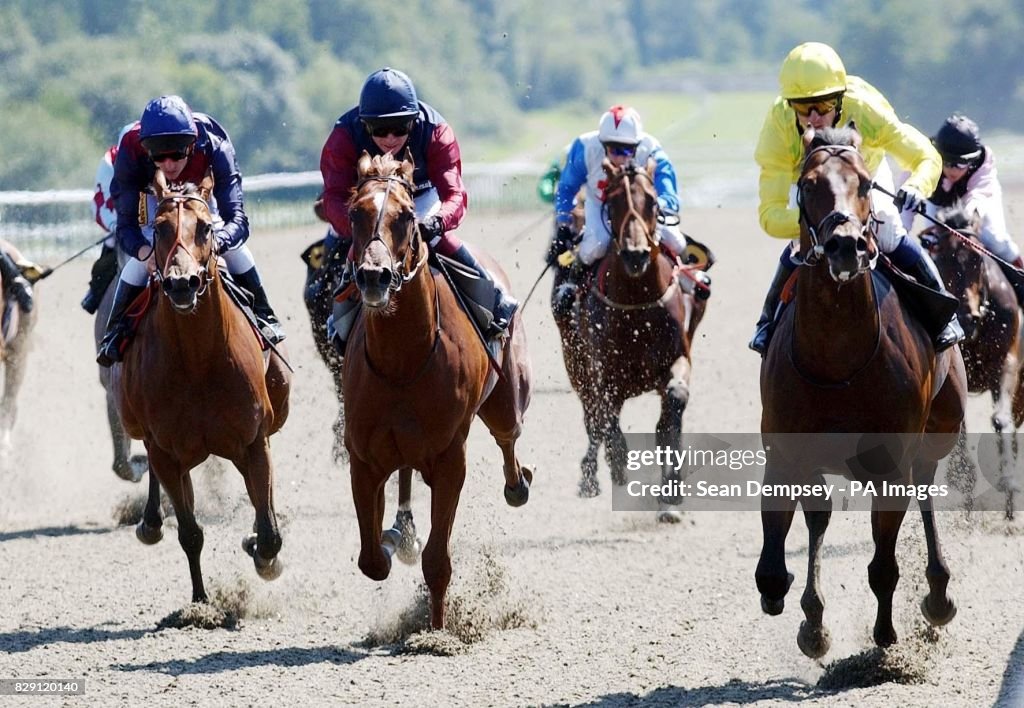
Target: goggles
[[383, 129], [620, 149], [165, 156], [821, 106]]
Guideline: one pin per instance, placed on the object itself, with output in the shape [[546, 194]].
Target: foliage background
[[277, 74]]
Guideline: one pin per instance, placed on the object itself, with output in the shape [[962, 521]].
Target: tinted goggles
[[821, 106], [383, 129], [620, 150], [959, 163], [165, 156]]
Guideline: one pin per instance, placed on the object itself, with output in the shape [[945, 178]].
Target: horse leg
[[408, 548], [368, 497], [338, 450], [264, 545], [961, 470], [674, 396], [773, 580], [14, 375], [813, 637], [937, 607], [177, 482], [883, 571], [445, 479], [615, 447], [149, 530], [589, 486]]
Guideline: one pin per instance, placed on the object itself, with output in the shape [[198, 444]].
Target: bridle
[[632, 213], [824, 230], [401, 274], [179, 201]]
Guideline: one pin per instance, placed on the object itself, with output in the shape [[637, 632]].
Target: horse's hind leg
[[883, 570], [14, 375], [502, 413], [258, 472], [149, 530], [813, 637], [445, 479], [408, 548], [937, 607], [177, 483]]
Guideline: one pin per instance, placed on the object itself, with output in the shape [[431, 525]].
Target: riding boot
[[270, 326], [103, 271], [343, 312], [15, 282], [115, 337], [565, 296], [766, 324], [952, 332], [490, 303]]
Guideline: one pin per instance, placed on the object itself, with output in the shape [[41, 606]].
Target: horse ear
[[206, 186], [808, 137], [159, 184], [408, 166], [364, 163], [650, 166], [852, 125]]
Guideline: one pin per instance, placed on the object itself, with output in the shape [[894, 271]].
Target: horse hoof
[[773, 607], [408, 549], [148, 534], [589, 487], [885, 637], [268, 570], [938, 619], [390, 540], [139, 465], [670, 517], [814, 642], [521, 493]]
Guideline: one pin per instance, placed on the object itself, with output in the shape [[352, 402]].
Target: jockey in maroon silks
[[391, 119], [184, 145]]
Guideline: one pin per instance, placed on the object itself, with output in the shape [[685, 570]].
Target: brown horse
[[635, 330], [195, 382], [15, 342], [127, 466], [415, 376], [847, 357], [991, 319]]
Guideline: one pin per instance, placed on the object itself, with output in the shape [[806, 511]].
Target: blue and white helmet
[[167, 125], [620, 124], [388, 93]]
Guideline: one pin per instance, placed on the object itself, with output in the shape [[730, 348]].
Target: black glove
[[431, 229], [562, 242], [220, 240], [909, 199]]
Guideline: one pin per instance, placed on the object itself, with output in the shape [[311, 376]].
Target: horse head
[[183, 242], [632, 203], [834, 197], [954, 248], [384, 234]]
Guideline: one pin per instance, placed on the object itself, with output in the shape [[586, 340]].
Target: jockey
[[969, 175], [105, 268], [391, 119], [184, 145], [620, 138], [817, 91]]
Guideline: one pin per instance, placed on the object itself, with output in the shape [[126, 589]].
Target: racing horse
[[635, 330], [15, 341], [195, 383], [416, 374], [991, 319], [848, 358]]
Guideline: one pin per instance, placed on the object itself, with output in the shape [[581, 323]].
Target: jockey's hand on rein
[[909, 199], [432, 229], [562, 242]]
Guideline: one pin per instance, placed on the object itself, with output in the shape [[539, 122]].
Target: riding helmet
[[620, 124], [812, 70], [388, 93], [958, 139], [167, 125]]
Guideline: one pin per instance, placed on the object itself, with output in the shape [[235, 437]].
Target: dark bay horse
[[415, 376], [15, 342], [992, 322], [848, 358], [635, 329], [127, 466], [195, 383]]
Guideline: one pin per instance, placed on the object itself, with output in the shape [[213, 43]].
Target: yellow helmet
[[812, 70]]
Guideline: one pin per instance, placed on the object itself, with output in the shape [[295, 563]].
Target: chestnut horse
[[991, 319], [635, 329], [15, 340], [416, 374], [847, 357], [195, 383]]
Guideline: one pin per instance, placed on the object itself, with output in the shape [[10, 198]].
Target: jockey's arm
[[573, 177], [910, 149], [444, 169], [338, 167], [227, 188], [665, 182], [775, 158], [126, 190]]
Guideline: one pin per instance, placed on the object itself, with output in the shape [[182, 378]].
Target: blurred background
[[517, 79]]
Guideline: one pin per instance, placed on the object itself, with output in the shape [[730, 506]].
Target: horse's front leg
[[883, 570], [149, 529], [264, 545], [408, 548], [177, 482], [937, 607], [675, 393], [615, 448], [445, 478], [813, 637], [368, 498], [772, 577], [14, 374], [589, 486]]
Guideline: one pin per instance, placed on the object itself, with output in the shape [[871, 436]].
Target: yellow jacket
[[780, 152]]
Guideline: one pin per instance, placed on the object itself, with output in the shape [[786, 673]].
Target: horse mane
[[956, 217], [379, 166], [383, 166]]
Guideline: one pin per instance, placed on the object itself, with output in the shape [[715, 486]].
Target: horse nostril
[[385, 279], [862, 245], [167, 285], [360, 278], [194, 282], [831, 246]]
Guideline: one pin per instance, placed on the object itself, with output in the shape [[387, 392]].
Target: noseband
[[632, 214], [398, 268], [825, 229], [179, 201]]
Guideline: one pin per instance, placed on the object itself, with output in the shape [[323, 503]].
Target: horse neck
[[397, 344], [201, 332], [836, 328], [642, 289]]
